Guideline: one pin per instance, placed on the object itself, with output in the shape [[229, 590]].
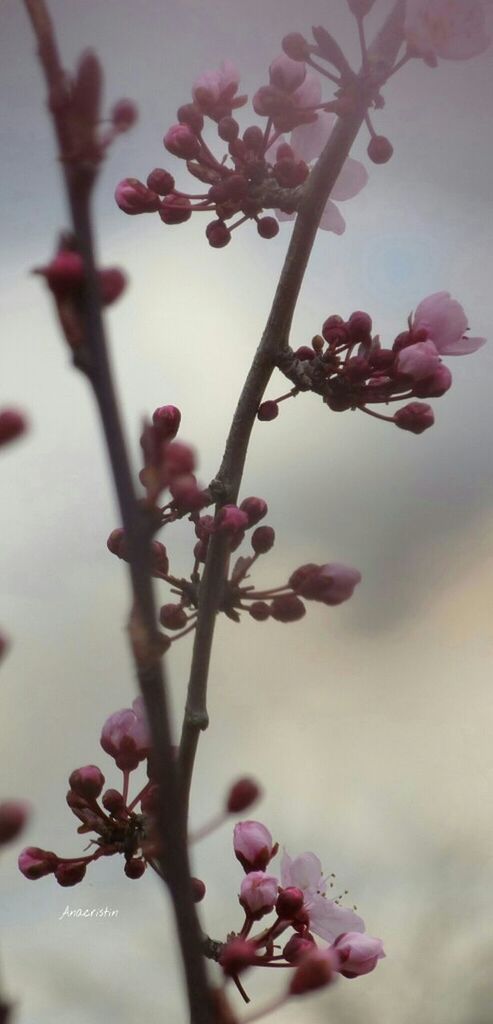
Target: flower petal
[[463, 347], [308, 140], [351, 180], [332, 220], [328, 919]]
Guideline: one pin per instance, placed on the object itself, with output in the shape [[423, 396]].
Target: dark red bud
[[160, 181], [173, 616], [259, 611], [296, 46], [287, 608], [87, 782], [12, 425], [218, 235], [228, 129], [268, 227], [124, 115], [379, 149], [135, 867], [198, 889], [268, 411], [242, 795], [255, 508], [70, 874], [263, 539], [289, 903]]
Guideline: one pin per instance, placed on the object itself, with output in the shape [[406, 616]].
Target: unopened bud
[[71, 873], [379, 149], [242, 795], [87, 781]]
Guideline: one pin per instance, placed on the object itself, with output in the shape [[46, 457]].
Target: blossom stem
[[273, 342], [80, 175], [145, 789], [126, 779], [322, 71]]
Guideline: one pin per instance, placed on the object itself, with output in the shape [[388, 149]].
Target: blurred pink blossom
[[307, 142], [451, 29], [125, 736], [327, 918], [446, 323]]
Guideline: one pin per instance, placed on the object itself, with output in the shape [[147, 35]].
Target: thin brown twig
[[79, 178], [274, 340]]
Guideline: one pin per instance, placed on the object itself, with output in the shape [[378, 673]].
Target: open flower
[[446, 323], [307, 142], [450, 29], [327, 918]]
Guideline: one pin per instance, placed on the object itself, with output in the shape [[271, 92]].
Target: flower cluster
[[347, 365], [122, 824], [302, 909], [169, 465], [260, 170]]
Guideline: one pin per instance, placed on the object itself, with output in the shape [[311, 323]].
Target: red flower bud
[[166, 420], [13, 817], [242, 795], [113, 801], [268, 411], [198, 889], [359, 326], [172, 616], [135, 867], [133, 197], [160, 181], [289, 903], [255, 508], [379, 149], [228, 129], [236, 955], [259, 611], [87, 781], [12, 425], [175, 209], [297, 947], [287, 608], [263, 539], [35, 863], [230, 520], [415, 417], [189, 115], [124, 115], [268, 227], [314, 971], [218, 234], [181, 141], [296, 46], [71, 873]]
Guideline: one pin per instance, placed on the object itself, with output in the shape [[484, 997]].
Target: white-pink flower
[[451, 29], [125, 736], [418, 361], [327, 918], [446, 323], [212, 86], [252, 843], [358, 954], [258, 893], [307, 142]]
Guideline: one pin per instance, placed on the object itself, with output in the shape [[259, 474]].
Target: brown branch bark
[[79, 177], [274, 340]]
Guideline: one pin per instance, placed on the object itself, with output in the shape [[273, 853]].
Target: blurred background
[[369, 725]]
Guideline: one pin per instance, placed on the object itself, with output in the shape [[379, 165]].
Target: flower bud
[[87, 782], [68, 874], [181, 141], [113, 801], [268, 227], [35, 863], [258, 893], [166, 420], [236, 955], [297, 947], [304, 353], [175, 209], [436, 385], [228, 129], [133, 197], [230, 520], [242, 795], [173, 616], [360, 8], [112, 283], [135, 867], [263, 539], [160, 181], [358, 953], [287, 608], [255, 508], [218, 234], [198, 889], [124, 115], [252, 843], [314, 971], [289, 903], [287, 74], [178, 460], [125, 736], [259, 611], [379, 149], [296, 47], [189, 115], [13, 817], [160, 561], [418, 361], [268, 411], [12, 425], [359, 326], [415, 417], [117, 543]]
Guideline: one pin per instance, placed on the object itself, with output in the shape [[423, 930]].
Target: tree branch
[[274, 340], [79, 178]]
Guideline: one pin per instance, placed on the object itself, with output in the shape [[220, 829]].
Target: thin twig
[[79, 178], [273, 342]]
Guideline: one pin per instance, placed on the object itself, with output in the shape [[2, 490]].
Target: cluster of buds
[[120, 824], [302, 909], [350, 369], [169, 465], [260, 170]]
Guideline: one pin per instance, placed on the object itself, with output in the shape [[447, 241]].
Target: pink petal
[[463, 347], [332, 220], [284, 216], [351, 180], [443, 317], [309, 93], [328, 920], [308, 140], [451, 29], [305, 872]]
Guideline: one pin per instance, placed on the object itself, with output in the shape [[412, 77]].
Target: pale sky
[[369, 725]]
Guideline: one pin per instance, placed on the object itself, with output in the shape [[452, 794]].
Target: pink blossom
[[327, 918], [133, 197], [446, 324], [181, 141], [451, 29], [418, 361], [287, 74], [125, 736], [358, 954], [307, 142], [332, 583], [214, 91], [258, 893], [252, 844]]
